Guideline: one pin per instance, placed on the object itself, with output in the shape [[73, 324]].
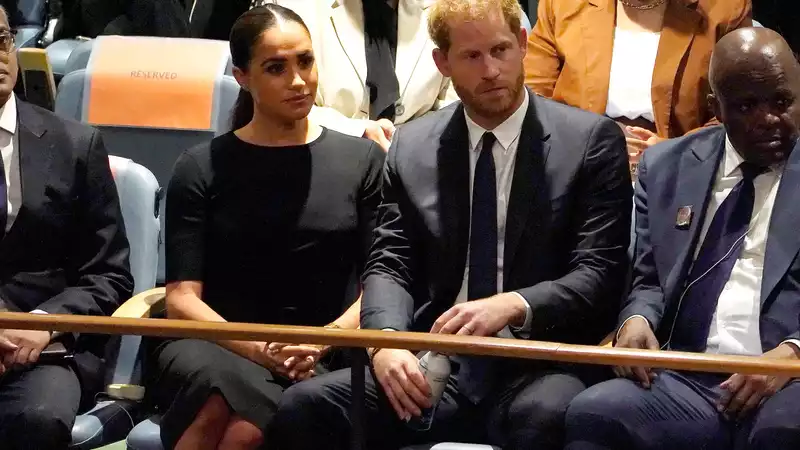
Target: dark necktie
[[3, 199], [380, 40], [475, 374], [712, 268]]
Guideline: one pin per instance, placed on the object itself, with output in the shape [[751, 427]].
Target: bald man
[[716, 270]]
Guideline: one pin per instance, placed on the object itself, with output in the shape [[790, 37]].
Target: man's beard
[[489, 110]]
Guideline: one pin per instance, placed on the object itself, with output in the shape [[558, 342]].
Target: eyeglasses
[[6, 41]]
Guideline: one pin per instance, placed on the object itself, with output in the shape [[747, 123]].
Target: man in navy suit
[[716, 270]]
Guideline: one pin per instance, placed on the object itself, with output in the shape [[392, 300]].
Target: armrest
[[143, 305]]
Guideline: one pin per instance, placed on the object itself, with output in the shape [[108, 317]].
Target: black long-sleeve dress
[[276, 235]]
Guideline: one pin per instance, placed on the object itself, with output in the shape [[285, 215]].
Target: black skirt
[[182, 375], [187, 371]]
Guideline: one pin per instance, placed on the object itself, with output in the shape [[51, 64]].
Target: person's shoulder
[[347, 149], [203, 150], [431, 125], [34, 117], [344, 142], [670, 151], [199, 157]]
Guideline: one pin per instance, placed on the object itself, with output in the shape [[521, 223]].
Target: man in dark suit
[[716, 270], [63, 250], [507, 214]]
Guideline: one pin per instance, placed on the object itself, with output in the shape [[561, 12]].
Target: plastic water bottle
[[436, 369]]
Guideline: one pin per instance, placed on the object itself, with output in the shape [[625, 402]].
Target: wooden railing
[[511, 348], [355, 339]]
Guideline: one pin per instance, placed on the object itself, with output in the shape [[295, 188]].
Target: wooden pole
[[449, 344]]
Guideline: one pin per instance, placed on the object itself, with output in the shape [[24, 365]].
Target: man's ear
[[440, 58], [523, 40], [713, 105]]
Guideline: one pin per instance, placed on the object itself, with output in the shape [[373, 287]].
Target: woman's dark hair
[[244, 36]]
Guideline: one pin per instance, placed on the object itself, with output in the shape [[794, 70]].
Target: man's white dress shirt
[[504, 152]]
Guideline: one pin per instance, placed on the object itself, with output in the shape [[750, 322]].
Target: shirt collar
[[506, 133], [8, 115], [732, 160]]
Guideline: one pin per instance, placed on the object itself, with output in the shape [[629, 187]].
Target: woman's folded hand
[[294, 361]]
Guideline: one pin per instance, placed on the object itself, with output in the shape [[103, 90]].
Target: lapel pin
[[684, 219]]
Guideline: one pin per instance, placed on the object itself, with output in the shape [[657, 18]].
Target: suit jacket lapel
[[454, 173], [348, 22], [34, 163], [529, 173], [783, 241], [680, 23], [412, 36], [698, 170], [598, 33]]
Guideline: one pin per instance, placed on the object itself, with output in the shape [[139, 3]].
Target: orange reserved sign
[[154, 82]]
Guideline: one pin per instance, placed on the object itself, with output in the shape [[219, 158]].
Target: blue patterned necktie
[[712, 268]]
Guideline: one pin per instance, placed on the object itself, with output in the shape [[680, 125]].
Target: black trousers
[[38, 407], [526, 412]]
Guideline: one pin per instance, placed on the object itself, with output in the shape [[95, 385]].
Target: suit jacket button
[[399, 109]]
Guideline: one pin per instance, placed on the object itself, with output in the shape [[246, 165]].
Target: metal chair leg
[[357, 381]]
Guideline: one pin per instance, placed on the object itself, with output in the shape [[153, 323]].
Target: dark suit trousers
[[527, 413], [678, 412], [38, 408]]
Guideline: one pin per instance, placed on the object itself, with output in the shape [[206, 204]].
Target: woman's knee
[[214, 414], [241, 434]]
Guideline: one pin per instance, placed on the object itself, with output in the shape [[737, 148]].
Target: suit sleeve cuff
[[616, 336], [525, 330]]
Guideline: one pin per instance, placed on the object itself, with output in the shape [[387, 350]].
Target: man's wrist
[[792, 347], [518, 311], [621, 327], [372, 352]]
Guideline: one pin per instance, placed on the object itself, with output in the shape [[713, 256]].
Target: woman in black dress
[[268, 223]]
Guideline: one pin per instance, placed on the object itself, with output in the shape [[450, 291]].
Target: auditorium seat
[[151, 132], [146, 435], [59, 53], [29, 21], [69, 55], [111, 420], [28, 36]]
